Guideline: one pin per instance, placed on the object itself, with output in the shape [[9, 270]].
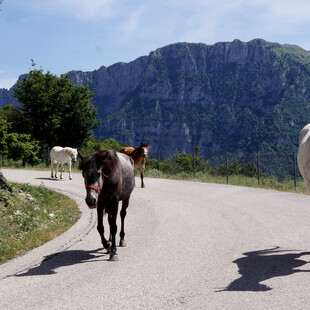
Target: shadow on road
[[50, 179], [62, 259], [262, 265]]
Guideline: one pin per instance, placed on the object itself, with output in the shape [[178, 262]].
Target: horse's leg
[[61, 169], [56, 170], [69, 165], [123, 212], [113, 210], [52, 168], [106, 244], [142, 171]]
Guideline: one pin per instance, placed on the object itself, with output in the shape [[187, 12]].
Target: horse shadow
[[49, 179], [50, 263], [262, 265]]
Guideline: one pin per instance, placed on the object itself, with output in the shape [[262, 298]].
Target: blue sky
[[64, 35]]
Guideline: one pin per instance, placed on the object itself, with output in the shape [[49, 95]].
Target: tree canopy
[[16, 145], [59, 112]]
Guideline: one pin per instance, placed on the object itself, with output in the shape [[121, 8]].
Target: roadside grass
[[31, 216], [240, 180]]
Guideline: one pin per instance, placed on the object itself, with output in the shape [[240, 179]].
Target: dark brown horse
[[109, 178], [139, 155]]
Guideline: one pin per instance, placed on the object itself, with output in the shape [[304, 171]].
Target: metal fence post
[[226, 167], [158, 159], [48, 157], [194, 165], [258, 169], [294, 165]]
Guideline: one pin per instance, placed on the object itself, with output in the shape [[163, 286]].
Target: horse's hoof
[[108, 247], [113, 257], [122, 243]]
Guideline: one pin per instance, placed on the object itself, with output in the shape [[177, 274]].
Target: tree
[[4, 127], [21, 146], [59, 112], [92, 145], [16, 119], [17, 145]]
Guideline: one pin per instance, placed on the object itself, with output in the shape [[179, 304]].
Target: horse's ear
[[81, 156]]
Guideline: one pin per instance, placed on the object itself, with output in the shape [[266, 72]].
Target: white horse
[[303, 157], [62, 155]]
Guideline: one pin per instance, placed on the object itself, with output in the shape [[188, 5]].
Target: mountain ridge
[[231, 96]]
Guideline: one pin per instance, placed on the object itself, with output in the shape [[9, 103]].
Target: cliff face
[[225, 97], [232, 96]]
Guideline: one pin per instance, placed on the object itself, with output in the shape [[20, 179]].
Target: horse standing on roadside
[[139, 155], [60, 156], [109, 178]]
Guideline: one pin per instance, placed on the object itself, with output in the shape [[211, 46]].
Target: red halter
[[96, 188]]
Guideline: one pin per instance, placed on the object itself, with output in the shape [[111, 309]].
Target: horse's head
[[93, 174], [145, 148], [74, 154], [93, 179]]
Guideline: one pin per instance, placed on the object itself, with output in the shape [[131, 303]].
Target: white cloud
[[297, 10], [217, 20], [132, 24], [81, 9], [90, 8]]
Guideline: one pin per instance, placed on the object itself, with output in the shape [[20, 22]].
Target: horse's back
[[304, 132], [127, 150], [303, 157], [55, 151]]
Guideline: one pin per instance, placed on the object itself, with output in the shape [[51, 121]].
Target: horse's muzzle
[[91, 202]]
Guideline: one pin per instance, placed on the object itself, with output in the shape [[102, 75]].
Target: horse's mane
[[102, 158], [144, 144], [85, 161]]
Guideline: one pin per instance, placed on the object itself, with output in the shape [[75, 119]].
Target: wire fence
[[282, 166]]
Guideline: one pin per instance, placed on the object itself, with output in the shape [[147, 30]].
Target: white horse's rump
[[62, 155], [303, 157]]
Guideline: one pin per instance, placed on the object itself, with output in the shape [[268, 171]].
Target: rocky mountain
[[230, 96]]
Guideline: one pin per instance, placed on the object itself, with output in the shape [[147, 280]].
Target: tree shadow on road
[[61, 259], [258, 266]]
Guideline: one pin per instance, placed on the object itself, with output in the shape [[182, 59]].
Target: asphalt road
[[190, 246]]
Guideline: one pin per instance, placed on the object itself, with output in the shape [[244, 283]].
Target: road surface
[[190, 246]]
